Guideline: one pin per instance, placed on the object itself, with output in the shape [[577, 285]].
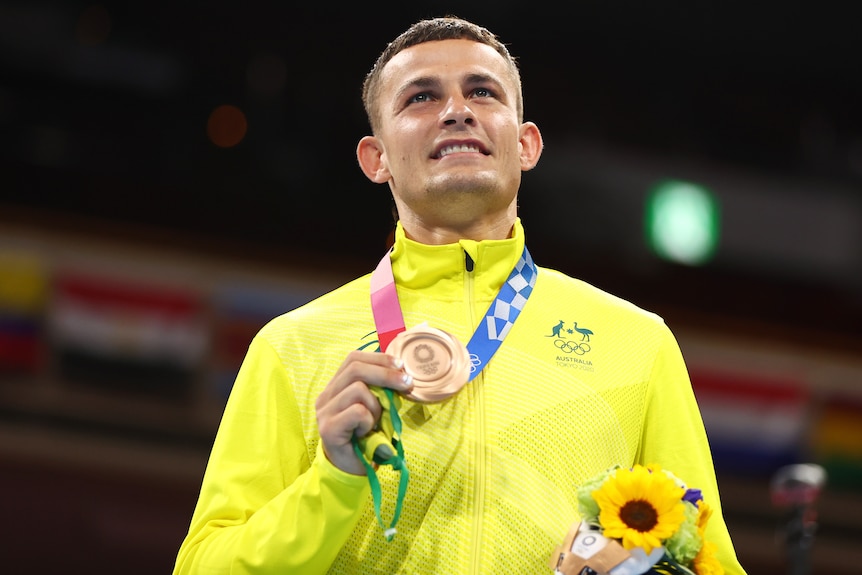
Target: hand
[[346, 407]]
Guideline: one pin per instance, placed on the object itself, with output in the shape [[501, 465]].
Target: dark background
[[104, 111]]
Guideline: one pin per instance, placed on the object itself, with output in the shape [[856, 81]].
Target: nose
[[458, 112]]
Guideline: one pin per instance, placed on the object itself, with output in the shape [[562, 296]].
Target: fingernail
[[398, 362], [407, 379]]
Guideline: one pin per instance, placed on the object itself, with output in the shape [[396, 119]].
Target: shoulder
[[557, 290], [559, 284]]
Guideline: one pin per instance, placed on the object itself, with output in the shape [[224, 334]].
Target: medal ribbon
[[498, 320], [486, 340]]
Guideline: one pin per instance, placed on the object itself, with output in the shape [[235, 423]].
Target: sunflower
[[704, 512], [706, 563], [640, 507]]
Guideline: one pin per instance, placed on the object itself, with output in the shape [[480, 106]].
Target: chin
[[472, 183]]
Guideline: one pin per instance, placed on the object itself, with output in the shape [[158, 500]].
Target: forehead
[[445, 59]]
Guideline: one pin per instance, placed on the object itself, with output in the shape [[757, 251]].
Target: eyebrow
[[477, 78], [421, 83]]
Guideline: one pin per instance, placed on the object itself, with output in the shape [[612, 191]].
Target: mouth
[[460, 148]]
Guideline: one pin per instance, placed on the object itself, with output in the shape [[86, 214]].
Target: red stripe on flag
[[112, 291], [747, 386]]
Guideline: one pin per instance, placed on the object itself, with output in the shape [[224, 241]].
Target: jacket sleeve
[[675, 438], [263, 506]]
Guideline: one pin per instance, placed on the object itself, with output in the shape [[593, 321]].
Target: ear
[[371, 158], [530, 145]]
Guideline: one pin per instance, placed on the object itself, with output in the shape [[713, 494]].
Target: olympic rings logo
[[474, 362], [578, 348]]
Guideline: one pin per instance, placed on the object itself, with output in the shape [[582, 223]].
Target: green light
[[682, 222]]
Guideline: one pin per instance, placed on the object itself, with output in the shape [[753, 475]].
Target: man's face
[[449, 135]]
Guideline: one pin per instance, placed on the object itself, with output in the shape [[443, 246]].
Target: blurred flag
[[23, 296], [755, 424], [836, 441], [125, 333]]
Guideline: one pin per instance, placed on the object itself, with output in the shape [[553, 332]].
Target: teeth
[[458, 148]]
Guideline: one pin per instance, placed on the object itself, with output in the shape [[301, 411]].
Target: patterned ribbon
[[498, 320]]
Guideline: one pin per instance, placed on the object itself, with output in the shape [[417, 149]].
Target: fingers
[[372, 368], [346, 407]]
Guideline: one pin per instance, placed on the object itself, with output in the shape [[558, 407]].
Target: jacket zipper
[[478, 398]]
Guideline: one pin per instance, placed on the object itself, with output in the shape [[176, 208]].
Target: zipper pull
[[468, 262]]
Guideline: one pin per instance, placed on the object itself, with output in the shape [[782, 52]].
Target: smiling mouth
[[459, 148]]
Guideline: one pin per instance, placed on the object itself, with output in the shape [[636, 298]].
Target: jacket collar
[[418, 266]]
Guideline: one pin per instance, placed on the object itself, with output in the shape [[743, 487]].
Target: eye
[[419, 98], [483, 93]]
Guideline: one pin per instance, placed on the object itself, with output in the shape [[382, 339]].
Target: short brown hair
[[433, 29]]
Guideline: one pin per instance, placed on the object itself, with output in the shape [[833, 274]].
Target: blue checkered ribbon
[[502, 313]]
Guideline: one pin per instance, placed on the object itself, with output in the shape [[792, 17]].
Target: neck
[[492, 227], [439, 235]]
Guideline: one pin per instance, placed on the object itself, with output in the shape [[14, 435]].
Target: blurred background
[[174, 174]]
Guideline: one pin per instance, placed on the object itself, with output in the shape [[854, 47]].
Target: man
[[493, 466]]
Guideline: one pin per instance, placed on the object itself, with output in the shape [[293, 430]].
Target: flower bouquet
[[634, 521]]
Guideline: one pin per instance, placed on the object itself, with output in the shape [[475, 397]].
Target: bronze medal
[[439, 363]]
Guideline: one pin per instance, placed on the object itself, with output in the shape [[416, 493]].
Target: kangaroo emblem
[[555, 332], [585, 333]]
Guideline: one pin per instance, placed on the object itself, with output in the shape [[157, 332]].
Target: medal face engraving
[[439, 363]]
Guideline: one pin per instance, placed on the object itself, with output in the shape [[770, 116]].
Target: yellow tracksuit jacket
[[583, 381]]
